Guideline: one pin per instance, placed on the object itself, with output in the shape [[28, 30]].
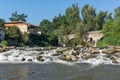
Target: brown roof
[[17, 22]]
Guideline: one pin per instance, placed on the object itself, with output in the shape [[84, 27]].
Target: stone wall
[[94, 36]]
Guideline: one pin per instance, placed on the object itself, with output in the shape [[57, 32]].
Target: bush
[[22, 44], [109, 40], [101, 44], [74, 42], [4, 42]]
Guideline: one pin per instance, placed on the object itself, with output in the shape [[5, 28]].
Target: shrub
[[4, 42], [109, 40]]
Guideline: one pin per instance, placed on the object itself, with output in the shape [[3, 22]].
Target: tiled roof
[[17, 22]]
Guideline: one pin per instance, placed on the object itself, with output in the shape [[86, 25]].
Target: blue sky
[[37, 10]]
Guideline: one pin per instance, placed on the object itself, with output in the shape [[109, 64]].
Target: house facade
[[23, 26]]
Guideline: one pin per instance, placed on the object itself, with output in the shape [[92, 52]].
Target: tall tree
[[58, 21], [47, 29], [18, 17], [72, 17], [45, 26], [117, 13], [88, 15], [100, 20], [109, 16]]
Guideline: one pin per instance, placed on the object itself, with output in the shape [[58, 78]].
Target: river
[[50, 64], [57, 71]]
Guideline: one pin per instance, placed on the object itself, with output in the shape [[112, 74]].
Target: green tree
[[47, 29], [2, 21], [13, 33], [117, 13], [18, 17], [72, 18], [81, 31], [58, 21], [88, 15], [25, 38], [108, 27], [111, 30], [45, 26], [109, 16], [100, 20]]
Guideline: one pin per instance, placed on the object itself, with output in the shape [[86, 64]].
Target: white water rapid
[[41, 55]]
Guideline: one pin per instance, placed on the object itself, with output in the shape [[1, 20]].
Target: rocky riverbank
[[106, 55]]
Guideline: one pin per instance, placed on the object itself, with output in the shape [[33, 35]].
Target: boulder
[[109, 50], [117, 50], [117, 47], [73, 58], [55, 54], [75, 53], [39, 58], [40, 53], [68, 57], [66, 53], [78, 47], [117, 54], [62, 57], [29, 60], [87, 55], [59, 51], [93, 50], [39, 49], [108, 55], [23, 59], [113, 60]]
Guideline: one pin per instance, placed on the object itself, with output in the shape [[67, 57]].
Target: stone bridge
[[94, 36]]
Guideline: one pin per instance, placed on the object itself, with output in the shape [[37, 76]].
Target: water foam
[[22, 55]]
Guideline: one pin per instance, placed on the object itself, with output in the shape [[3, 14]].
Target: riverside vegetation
[[74, 21]]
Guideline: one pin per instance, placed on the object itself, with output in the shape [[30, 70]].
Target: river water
[[57, 71], [24, 64]]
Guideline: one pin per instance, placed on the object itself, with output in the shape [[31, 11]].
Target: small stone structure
[[94, 36]]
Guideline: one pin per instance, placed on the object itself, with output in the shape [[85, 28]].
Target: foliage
[[117, 13], [109, 40], [100, 20], [4, 42], [38, 40], [25, 38], [72, 23], [18, 17], [111, 29], [72, 18], [46, 27], [88, 14], [13, 36], [74, 42], [2, 21], [13, 32]]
